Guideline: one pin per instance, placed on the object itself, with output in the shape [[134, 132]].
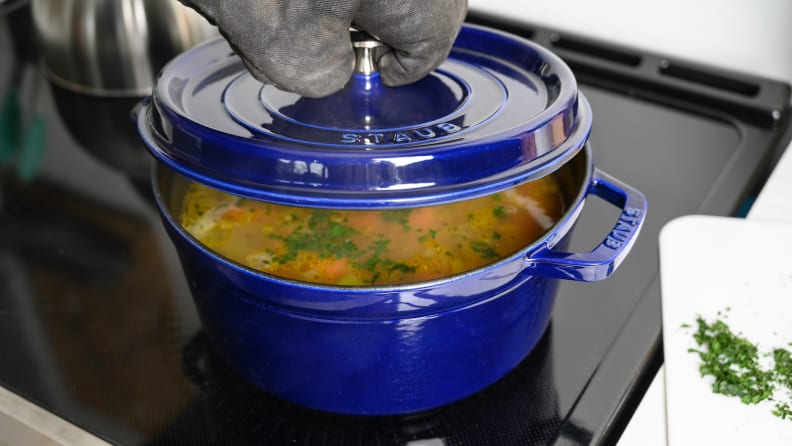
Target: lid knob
[[364, 45]]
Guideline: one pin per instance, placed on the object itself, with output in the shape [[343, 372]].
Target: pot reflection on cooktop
[[521, 408]]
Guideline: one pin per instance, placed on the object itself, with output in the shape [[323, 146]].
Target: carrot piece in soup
[[422, 218], [235, 215], [337, 268]]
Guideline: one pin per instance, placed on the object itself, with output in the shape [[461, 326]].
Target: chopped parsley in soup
[[371, 247]]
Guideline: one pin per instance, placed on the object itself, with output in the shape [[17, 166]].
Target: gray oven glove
[[304, 45]]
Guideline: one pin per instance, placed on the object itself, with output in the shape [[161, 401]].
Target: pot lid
[[500, 111]]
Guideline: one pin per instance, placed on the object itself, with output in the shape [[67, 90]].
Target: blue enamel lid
[[500, 111]]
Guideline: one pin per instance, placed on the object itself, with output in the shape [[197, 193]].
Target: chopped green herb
[[428, 236], [733, 362], [400, 266], [484, 250], [376, 262], [499, 212], [324, 235], [400, 216], [783, 367], [379, 246], [783, 411], [387, 265]]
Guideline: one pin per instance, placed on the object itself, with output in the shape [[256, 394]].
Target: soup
[[371, 247]]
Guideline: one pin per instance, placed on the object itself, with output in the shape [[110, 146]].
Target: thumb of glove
[[420, 34]]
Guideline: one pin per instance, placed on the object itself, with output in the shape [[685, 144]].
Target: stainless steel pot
[[101, 58], [113, 47]]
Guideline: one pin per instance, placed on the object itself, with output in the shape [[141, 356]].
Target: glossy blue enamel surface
[[371, 367], [392, 116], [396, 349], [500, 111]]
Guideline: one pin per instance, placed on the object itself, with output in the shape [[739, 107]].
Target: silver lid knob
[[364, 45]]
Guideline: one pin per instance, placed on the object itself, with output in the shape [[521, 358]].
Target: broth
[[371, 247]]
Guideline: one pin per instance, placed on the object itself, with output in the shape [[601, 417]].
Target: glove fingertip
[[396, 71], [323, 86], [316, 84]]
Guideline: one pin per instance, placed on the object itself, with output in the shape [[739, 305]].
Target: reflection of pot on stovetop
[[391, 315], [101, 58], [236, 412]]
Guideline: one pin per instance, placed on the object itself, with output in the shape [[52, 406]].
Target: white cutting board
[[709, 264]]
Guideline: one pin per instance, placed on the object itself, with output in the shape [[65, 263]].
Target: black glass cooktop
[[97, 324]]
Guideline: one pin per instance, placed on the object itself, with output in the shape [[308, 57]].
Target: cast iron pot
[[395, 349], [379, 350]]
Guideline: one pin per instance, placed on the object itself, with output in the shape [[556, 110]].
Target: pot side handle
[[603, 260]]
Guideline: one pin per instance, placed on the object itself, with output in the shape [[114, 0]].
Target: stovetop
[[97, 324]]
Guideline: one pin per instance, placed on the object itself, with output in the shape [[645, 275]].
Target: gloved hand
[[304, 45]]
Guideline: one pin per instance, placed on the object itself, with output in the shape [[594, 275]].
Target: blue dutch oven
[[501, 111]]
